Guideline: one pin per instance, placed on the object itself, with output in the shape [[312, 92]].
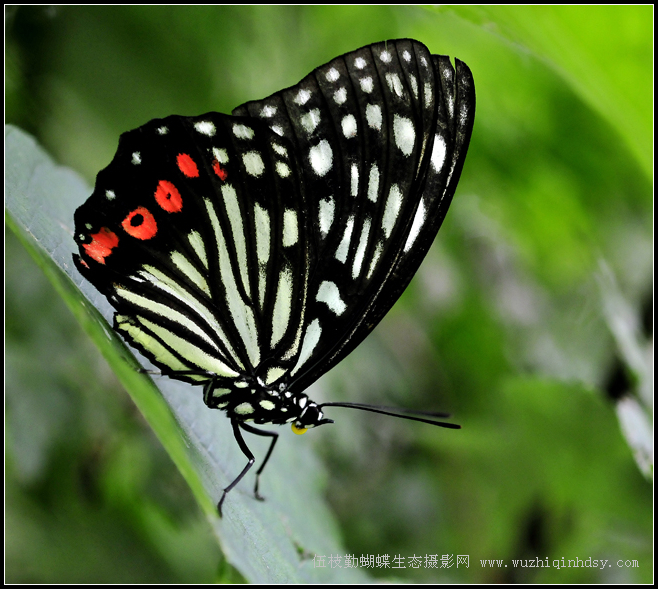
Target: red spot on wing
[[140, 224], [101, 246], [187, 166], [168, 197], [221, 172]]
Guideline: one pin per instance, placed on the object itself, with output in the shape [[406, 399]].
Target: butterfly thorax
[[251, 400]]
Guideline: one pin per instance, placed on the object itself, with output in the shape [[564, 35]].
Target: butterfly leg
[[258, 432], [247, 453]]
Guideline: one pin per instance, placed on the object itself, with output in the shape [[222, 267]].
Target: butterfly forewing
[[376, 134], [196, 234]]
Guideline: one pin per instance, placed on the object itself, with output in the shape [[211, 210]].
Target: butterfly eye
[[311, 416], [263, 246]]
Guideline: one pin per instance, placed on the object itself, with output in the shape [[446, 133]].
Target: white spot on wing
[[326, 215], [328, 293], [349, 126], [392, 210], [374, 116], [394, 84], [406, 56], [282, 169], [110, 195], [302, 97], [360, 63], [463, 114], [321, 157], [268, 111], [366, 84], [385, 57], [375, 259], [354, 180], [205, 128], [244, 409], [361, 249], [416, 226], [438, 153], [333, 75], [340, 96], [414, 85], [243, 132], [405, 134], [253, 163], [290, 229], [311, 120], [220, 155], [344, 246], [429, 95], [137, 158], [373, 183], [282, 151]]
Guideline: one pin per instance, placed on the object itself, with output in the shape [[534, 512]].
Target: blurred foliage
[[507, 324]]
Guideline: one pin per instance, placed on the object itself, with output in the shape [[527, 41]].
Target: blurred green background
[[530, 320]]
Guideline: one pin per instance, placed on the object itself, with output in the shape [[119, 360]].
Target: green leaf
[[600, 51]]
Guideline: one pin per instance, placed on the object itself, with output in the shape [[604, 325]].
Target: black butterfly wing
[[381, 135], [194, 232], [455, 107]]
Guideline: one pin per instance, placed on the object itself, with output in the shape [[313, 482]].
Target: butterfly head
[[311, 416]]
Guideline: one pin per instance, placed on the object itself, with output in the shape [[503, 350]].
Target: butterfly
[[250, 253]]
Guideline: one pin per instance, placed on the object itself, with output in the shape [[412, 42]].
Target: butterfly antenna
[[401, 413]]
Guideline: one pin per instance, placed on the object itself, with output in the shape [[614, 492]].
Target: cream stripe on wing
[[171, 287], [167, 313], [262, 221], [282, 306], [241, 314], [186, 267], [197, 244], [237, 229], [187, 350], [311, 339], [161, 354], [361, 249]]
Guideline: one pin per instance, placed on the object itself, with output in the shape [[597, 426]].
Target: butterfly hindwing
[[455, 110], [381, 134]]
